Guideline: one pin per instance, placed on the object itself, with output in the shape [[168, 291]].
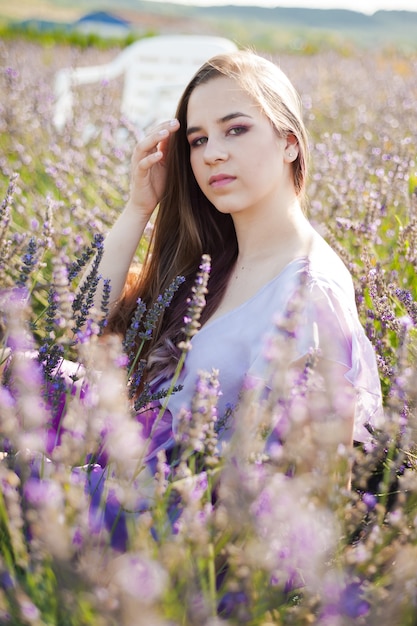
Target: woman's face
[[239, 161]]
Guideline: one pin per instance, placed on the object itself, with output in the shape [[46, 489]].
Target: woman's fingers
[[153, 147], [145, 163], [147, 172], [159, 134]]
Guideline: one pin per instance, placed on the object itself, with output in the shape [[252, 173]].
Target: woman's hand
[[148, 174], [147, 184]]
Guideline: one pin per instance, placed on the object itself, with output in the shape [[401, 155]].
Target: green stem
[[386, 479], [212, 579], [6, 542], [139, 350]]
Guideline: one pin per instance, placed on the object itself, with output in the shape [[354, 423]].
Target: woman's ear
[[291, 148]]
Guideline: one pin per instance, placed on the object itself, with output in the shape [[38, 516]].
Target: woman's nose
[[214, 150]]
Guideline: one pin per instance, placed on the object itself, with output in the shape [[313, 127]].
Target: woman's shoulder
[[326, 268]]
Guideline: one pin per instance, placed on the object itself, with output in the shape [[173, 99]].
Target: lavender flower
[[84, 300], [29, 261], [197, 427], [196, 303], [105, 301], [140, 577], [81, 263], [405, 296], [129, 342], [247, 537], [370, 500], [5, 213], [231, 605], [141, 331], [162, 302]]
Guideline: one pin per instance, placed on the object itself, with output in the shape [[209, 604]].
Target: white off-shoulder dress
[[235, 343]]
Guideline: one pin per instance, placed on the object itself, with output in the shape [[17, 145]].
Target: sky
[[363, 6]]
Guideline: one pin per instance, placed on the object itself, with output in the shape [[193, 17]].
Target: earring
[[290, 155]]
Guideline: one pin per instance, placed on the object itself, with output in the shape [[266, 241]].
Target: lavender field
[[216, 540]]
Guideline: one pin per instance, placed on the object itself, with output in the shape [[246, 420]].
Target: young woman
[[228, 176]]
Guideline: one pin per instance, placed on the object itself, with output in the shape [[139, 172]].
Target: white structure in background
[[155, 70], [103, 24]]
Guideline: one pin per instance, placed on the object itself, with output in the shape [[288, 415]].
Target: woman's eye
[[198, 142], [237, 130]]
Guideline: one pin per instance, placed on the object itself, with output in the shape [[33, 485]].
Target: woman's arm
[[146, 188]]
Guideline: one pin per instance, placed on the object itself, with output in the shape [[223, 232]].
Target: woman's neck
[[280, 232]]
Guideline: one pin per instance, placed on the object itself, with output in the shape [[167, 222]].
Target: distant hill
[[382, 26], [243, 22]]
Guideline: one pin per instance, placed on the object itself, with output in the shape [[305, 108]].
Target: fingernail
[[163, 132], [173, 122]]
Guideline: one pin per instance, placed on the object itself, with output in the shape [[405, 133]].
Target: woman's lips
[[220, 180]]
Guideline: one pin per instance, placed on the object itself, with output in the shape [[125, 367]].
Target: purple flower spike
[[108, 514], [370, 500], [230, 602], [6, 581], [352, 602], [41, 492]]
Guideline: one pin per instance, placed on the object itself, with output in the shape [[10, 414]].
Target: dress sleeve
[[330, 322], [327, 322]]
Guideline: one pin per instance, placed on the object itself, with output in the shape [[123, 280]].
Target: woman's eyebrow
[[221, 120]]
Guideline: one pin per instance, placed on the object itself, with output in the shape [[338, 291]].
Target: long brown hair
[[188, 225]]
